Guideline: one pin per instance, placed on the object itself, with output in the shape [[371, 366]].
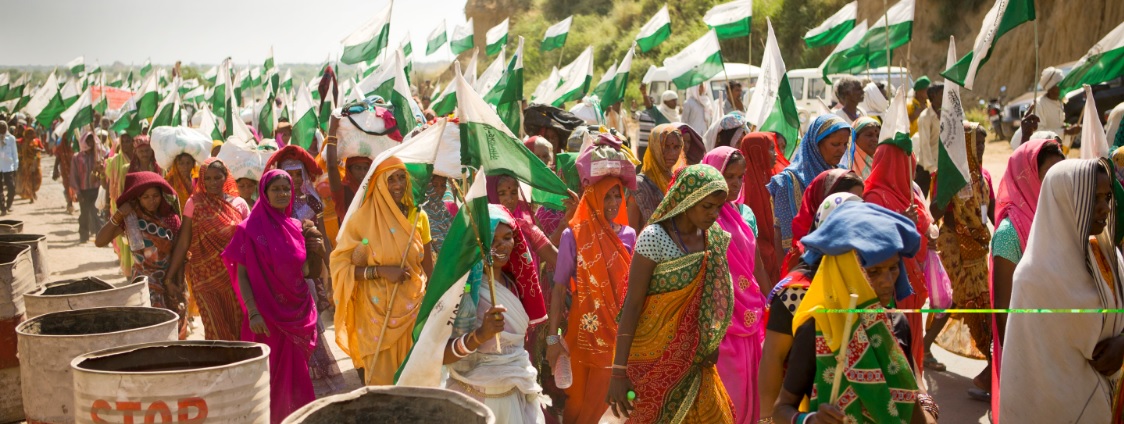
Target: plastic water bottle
[[563, 374]]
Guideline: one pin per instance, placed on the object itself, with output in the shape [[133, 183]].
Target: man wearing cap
[[1048, 112], [667, 109], [918, 103]]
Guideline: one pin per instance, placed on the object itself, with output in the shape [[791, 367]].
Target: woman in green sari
[[676, 309]]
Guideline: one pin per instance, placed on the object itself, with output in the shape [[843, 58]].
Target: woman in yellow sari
[[676, 311], [116, 167], [371, 273], [180, 176]]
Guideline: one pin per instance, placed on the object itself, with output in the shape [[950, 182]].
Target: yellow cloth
[[653, 167], [838, 277], [361, 306], [910, 108], [116, 168]]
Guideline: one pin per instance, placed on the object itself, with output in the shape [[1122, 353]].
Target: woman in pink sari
[[740, 351], [267, 258]]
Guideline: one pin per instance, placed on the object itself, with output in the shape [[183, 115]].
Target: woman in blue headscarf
[[821, 149]]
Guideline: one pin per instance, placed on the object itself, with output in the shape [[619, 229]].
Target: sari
[[856, 159], [655, 177], [30, 175], [740, 356], [270, 246], [1059, 249], [877, 385], [213, 221], [824, 185], [502, 377], [116, 167], [890, 185], [686, 312], [365, 308], [184, 189], [598, 288], [963, 246], [787, 187], [152, 240], [63, 152], [1016, 201], [755, 147]]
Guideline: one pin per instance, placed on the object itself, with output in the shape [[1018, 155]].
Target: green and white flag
[[118, 81], [844, 59], [547, 85], [70, 91], [576, 80], [1004, 16], [655, 31], [496, 38], [287, 82], [555, 37], [446, 102], [306, 124], [730, 20], [1103, 62], [17, 89], [212, 74], [605, 82], [462, 37], [196, 95], [148, 98], [168, 114], [77, 66], [266, 120], [102, 104], [208, 124], [269, 64], [223, 85], [895, 124], [367, 42], [436, 39], [389, 82], [46, 104], [952, 153], [491, 74], [1094, 142], [832, 31], [772, 107], [407, 49], [255, 78], [78, 115], [146, 68], [617, 85], [698, 62], [894, 34], [508, 92], [95, 70], [470, 72], [4, 86]]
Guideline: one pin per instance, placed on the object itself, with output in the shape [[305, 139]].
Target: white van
[[658, 81]]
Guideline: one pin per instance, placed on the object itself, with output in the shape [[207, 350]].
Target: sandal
[[931, 363]]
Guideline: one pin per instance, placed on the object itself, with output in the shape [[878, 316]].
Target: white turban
[[875, 100], [669, 95], [1050, 77]]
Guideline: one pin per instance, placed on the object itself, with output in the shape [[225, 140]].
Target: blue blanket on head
[[874, 232]]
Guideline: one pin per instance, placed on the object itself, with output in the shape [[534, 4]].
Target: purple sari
[[270, 246], [740, 351]]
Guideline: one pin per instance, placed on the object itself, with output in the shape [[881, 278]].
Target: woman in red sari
[[762, 162], [209, 220], [890, 185]]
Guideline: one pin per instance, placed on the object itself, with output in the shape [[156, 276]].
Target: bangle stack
[[330, 140], [117, 219], [368, 273], [460, 350], [802, 418], [620, 371]]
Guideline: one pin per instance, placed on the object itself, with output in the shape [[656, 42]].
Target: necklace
[[679, 237]]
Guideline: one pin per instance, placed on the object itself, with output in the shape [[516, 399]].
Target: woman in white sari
[[1063, 368], [502, 378]]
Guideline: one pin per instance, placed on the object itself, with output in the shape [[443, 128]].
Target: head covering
[[229, 186], [269, 245], [1046, 135], [807, 163], [292, 158], [693, 148], [653, 166], [522, 208], [856, 159], [875, 101], [1017, 197], [88, 141], [693, 184], [719, 158], [831, 203], [1118, 161], [823, 185], [921, 83], [890, 185], [1060, 269], [732, 121], [874, 232], [668, 95], [755, 147], [520, 266], [1051, 76], [137, 183]]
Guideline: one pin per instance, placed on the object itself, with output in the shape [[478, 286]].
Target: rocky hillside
[[1066, 30]]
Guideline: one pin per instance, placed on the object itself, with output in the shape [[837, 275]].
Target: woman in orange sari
[[676, 311], [30, 175], [209, 220], [593, 258], [180, 175]]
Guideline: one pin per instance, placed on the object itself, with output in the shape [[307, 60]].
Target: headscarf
[[807, 163], [921, 83], [732, 121], [755, 147], [89, 140], [875, 101], [825, 184], [134, 162], [693, 184], [749, 303], [856, 159], [653, 166], [600, 289], [392, 238], [522, 209], [139, 182], [830, 204], [292, 158], [1118, 161], [521, 266], [671, 114], [693, 147], [1051, 76], [201, 197], [1059, 270], [1017, 197], [270, 246]]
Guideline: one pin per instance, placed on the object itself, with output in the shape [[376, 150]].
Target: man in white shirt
[[9, 163], [698, 110], [1048, 108], [928, 137]]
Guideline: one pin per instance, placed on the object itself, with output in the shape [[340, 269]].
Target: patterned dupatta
[[685, 316]]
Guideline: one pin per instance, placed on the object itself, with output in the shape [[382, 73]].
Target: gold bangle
[[620, 367]]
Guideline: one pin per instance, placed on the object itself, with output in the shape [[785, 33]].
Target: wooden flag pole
[[1037, 71], [394, 293], [886, 29], [486, 256]]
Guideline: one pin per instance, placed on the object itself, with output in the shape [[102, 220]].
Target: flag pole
[[1037, 71], [561, 50], [486, 258], [394, 293], [886, 29], [841, 356]]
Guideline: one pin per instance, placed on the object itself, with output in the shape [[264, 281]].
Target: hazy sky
[[52, 32]]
